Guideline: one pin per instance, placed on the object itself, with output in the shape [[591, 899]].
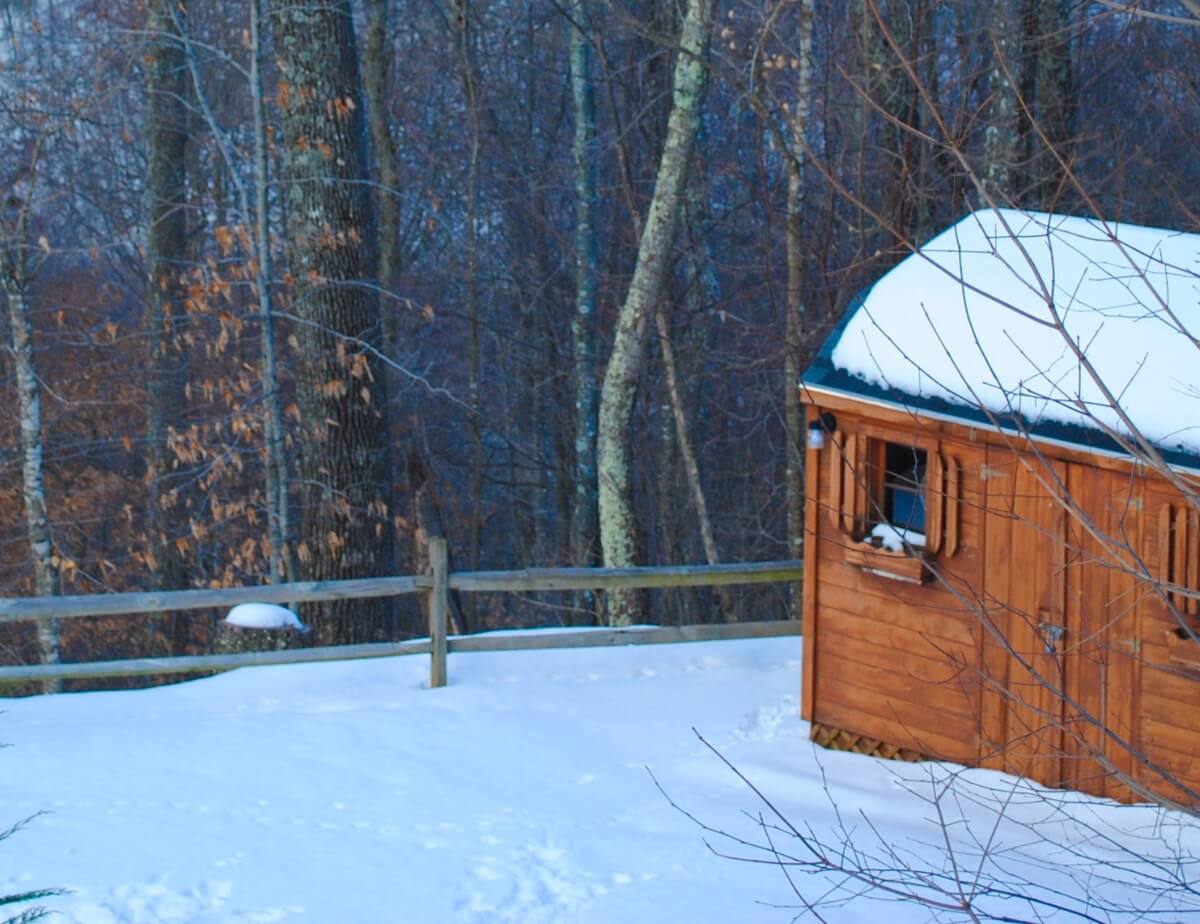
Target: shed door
[[1025, 593]]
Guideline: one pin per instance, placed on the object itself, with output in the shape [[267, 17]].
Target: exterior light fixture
[[818, 429]]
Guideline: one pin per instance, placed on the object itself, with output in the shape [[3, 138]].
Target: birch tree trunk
[[330, 236], [795, 326], [37, 521], [618, 520], [1000, 139], [585, 514], [167, 252]]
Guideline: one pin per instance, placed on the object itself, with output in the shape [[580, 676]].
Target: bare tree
[[618, 519], [585, 155], [796, 265], [167, 251], [20, 260]]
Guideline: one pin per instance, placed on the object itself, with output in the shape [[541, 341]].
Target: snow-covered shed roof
[[1029, 318]]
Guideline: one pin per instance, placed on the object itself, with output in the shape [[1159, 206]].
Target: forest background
[[292, 288]]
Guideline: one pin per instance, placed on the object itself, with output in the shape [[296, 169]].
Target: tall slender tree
[[20, 260], [463, 36], [796, 262], [283, 561], [1000, 138], [585, 157], [1055, 104], [618, 518], [166, 130]]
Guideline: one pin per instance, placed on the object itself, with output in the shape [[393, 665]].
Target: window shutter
[[935, 500], [950, 516], [944, 486], [1192, 580], [836, 466], [1166, 544], [1179, 555], [851, 489], [1180, 558]]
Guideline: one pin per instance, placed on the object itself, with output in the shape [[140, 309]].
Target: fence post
[[439, 600]]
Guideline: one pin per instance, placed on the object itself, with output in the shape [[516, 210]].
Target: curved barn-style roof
[[1027, 319]]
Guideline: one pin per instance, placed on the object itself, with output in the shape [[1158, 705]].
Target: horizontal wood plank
[[861, 712], [940, 704], [533, 579], [636, 635], [17, 609], [953, 624], [192, 664], [903, 641], [548, 579]]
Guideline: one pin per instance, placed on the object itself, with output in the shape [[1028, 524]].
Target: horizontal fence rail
[[437, 585], [16, 609]]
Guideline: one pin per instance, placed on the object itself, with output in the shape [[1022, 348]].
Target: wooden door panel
[[1025, 585]]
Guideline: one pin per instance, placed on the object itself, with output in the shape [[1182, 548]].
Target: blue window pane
[[908, 510]]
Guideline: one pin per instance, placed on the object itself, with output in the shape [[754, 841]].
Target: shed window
[[884, 490], [904, 473]]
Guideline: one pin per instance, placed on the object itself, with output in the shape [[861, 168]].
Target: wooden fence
[[437, 584]]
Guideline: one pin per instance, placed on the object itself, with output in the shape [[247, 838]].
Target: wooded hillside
[[290, 289]]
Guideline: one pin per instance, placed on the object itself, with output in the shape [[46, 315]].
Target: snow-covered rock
[[264, 616]]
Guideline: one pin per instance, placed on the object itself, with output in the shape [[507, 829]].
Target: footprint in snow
[[764, 723], [537, 883]]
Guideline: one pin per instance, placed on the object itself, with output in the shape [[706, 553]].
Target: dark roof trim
[[821, 376]]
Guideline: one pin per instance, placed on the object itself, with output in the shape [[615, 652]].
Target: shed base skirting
[[838, 739]]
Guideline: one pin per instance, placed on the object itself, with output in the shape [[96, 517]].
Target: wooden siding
[[892, 660], [1046, 584]]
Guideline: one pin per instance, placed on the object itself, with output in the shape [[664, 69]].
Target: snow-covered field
[[347, 792]]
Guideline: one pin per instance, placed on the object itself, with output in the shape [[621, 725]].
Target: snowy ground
[[347, 792]]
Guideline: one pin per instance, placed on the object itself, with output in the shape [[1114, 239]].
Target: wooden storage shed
[[992, 575]]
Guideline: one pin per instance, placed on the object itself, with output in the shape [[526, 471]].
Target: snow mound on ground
[[264, 616]]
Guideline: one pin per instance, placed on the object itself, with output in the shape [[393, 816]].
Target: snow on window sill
[[887, 552]]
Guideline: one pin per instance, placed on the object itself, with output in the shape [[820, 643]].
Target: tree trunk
[[795, 327], [470, 83], [618, 524], [585, 515], [282, 556], [1055, 102], [691, 467], [167, 251], [331, 257], [283, 565], [377, 65], [1000, 139], [377, 68], [37, 521]]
